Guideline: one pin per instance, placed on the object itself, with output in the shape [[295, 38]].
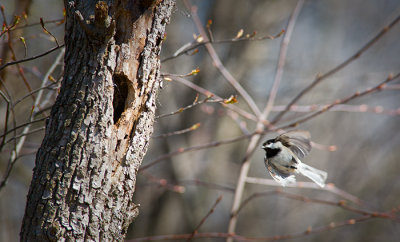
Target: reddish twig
[[48, 32]]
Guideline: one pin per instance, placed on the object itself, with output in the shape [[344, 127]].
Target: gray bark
[[100, 125]]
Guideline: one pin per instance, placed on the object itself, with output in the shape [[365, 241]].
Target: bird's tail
[[314, 174]]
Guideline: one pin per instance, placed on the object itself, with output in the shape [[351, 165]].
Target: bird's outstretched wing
[[283, 179], [298, 141]]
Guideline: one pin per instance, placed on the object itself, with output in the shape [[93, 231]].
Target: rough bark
[[99, 127]]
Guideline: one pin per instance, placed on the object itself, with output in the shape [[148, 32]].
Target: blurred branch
[[163, 183], [24, 134], [33, 92], [307, 232], [217, 61], [330, 187], [185, 49], [195, 103], [193, 148], [342, 204], [183, 131], [379, 87], [20, 144], [209, 185], [255, 140], [21, 126], [186, 236], [319, 78], [282, 58], [363, 108], [215, 97], [56, 21], [11, 49], [31, 58], [195, 231]]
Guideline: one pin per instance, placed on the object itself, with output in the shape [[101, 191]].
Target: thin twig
[[163, 183], [24, 134], [207, 184], [22, 125], [194, 45], [236, 237], [363, 108], [319, 78], [183, 131], [379, 87], [176, 237], [193, 148], [5, 118], [195, 103], [214, 97], [195, 231], [30, 58], [56, 21], [217, 62], [341, 203], [33, 92], [282, 58], [330, 187], [20, 144]]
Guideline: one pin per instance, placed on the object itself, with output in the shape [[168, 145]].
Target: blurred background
[[176, 193]]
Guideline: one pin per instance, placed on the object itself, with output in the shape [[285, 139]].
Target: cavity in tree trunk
[[99, 127]]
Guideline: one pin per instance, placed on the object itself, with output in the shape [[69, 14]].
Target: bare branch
[[195, 231], [217, 62], [183, 131], [31, 58], [379, 87], [319, 78], [194, 45], [193, 148], [330, 187], [255, 140]]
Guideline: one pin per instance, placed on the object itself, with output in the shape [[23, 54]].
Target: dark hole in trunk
[[120, 95]]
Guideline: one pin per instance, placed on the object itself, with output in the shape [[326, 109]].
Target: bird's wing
[[297, 141], [281, 178]]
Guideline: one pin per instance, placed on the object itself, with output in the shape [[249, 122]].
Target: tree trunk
[[100, 125]]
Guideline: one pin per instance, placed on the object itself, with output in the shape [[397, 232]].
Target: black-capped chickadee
[[282, 158]]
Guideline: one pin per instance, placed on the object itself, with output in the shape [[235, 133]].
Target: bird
[[282, 158]]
